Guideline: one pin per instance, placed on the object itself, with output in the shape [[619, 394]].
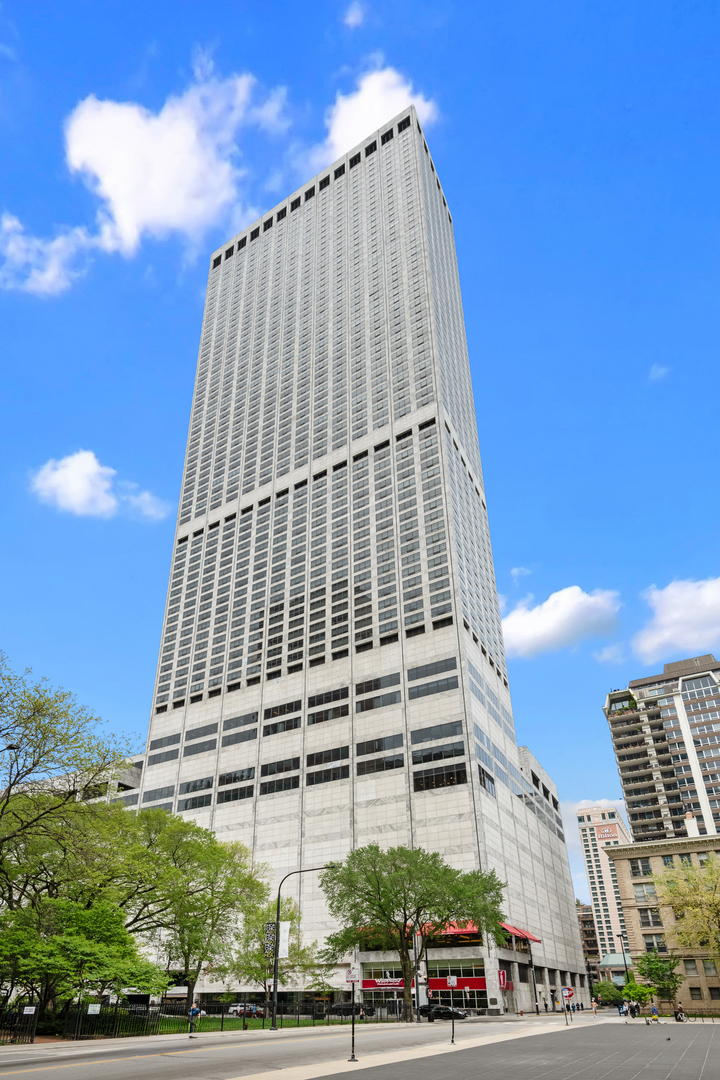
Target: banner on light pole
[[270, 938], [284, 941]]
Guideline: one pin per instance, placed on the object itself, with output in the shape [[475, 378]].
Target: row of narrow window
[[310, 192]]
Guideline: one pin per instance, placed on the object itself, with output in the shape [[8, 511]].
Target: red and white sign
[[352, 975], [463, 983], [606, 832], [502, 977], [452, 980], [383, 984], [568, 992]]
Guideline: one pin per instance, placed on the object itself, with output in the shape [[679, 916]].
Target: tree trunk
[[190, 997], [407, 972]]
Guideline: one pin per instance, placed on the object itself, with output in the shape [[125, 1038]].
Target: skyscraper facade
[[601, 827], [666, 735], [332, 668]]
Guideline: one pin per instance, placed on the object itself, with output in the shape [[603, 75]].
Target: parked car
[[244, 1010], [345, 1008], [442, 1012]]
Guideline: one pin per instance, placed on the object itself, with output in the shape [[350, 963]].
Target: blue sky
[[578, 148]]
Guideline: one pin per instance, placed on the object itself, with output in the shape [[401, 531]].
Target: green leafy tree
[[693, 893], [390, 899], [248, 962], [60, 949], [178, 887], [638, 993], [55, 755], [659, 972], [608, 992], [198, 924]]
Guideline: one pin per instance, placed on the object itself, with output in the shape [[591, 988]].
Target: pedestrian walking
[[654, 1014], [194, 1016], [680, 1014], [594, 1007]]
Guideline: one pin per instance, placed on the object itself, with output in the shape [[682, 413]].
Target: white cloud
[[354, 16], [686, 620], [153, 173], [518, 572], [147, 505], [657, 373], [37, 265], [611, 654], [569, 811], [565, 618], [77, 483], [379, 96], [80, 485]]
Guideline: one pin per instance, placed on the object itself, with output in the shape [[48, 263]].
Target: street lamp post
[[308, 870]]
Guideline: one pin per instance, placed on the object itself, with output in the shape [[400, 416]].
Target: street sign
[[452, 980], [352, 975], [567, 991], [29, 1010], [502, 978]]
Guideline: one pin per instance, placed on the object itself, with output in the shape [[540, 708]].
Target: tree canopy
[[659, 972], [608, 992], [249, 963], [52, 753], [693, 893], [403, 899], [61, 949]]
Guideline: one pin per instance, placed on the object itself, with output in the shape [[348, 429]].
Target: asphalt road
[[220, 1057], [591, 1050]]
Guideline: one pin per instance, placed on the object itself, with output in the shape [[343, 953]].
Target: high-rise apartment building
[[666, 734], [588, 936], [332, 668], [600, 828]]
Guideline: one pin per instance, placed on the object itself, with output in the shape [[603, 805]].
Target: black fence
[[17, 1024], [122, 1020]]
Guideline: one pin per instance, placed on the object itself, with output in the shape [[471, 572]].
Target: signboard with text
[[352, 975], [606, 832], [463, 983], [502, 979]]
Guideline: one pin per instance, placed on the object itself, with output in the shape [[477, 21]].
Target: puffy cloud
[[657, 373], [518, 572], [37, 265], [77, 483], [80, 485], [154, 173], [146, 504], [565, 618], [685, 621], [378, 97], [354, 16]]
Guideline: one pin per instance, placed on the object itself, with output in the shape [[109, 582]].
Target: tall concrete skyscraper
[[665, 734], [332, 668]]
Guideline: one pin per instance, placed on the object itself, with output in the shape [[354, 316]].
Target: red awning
[[520, 933]]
